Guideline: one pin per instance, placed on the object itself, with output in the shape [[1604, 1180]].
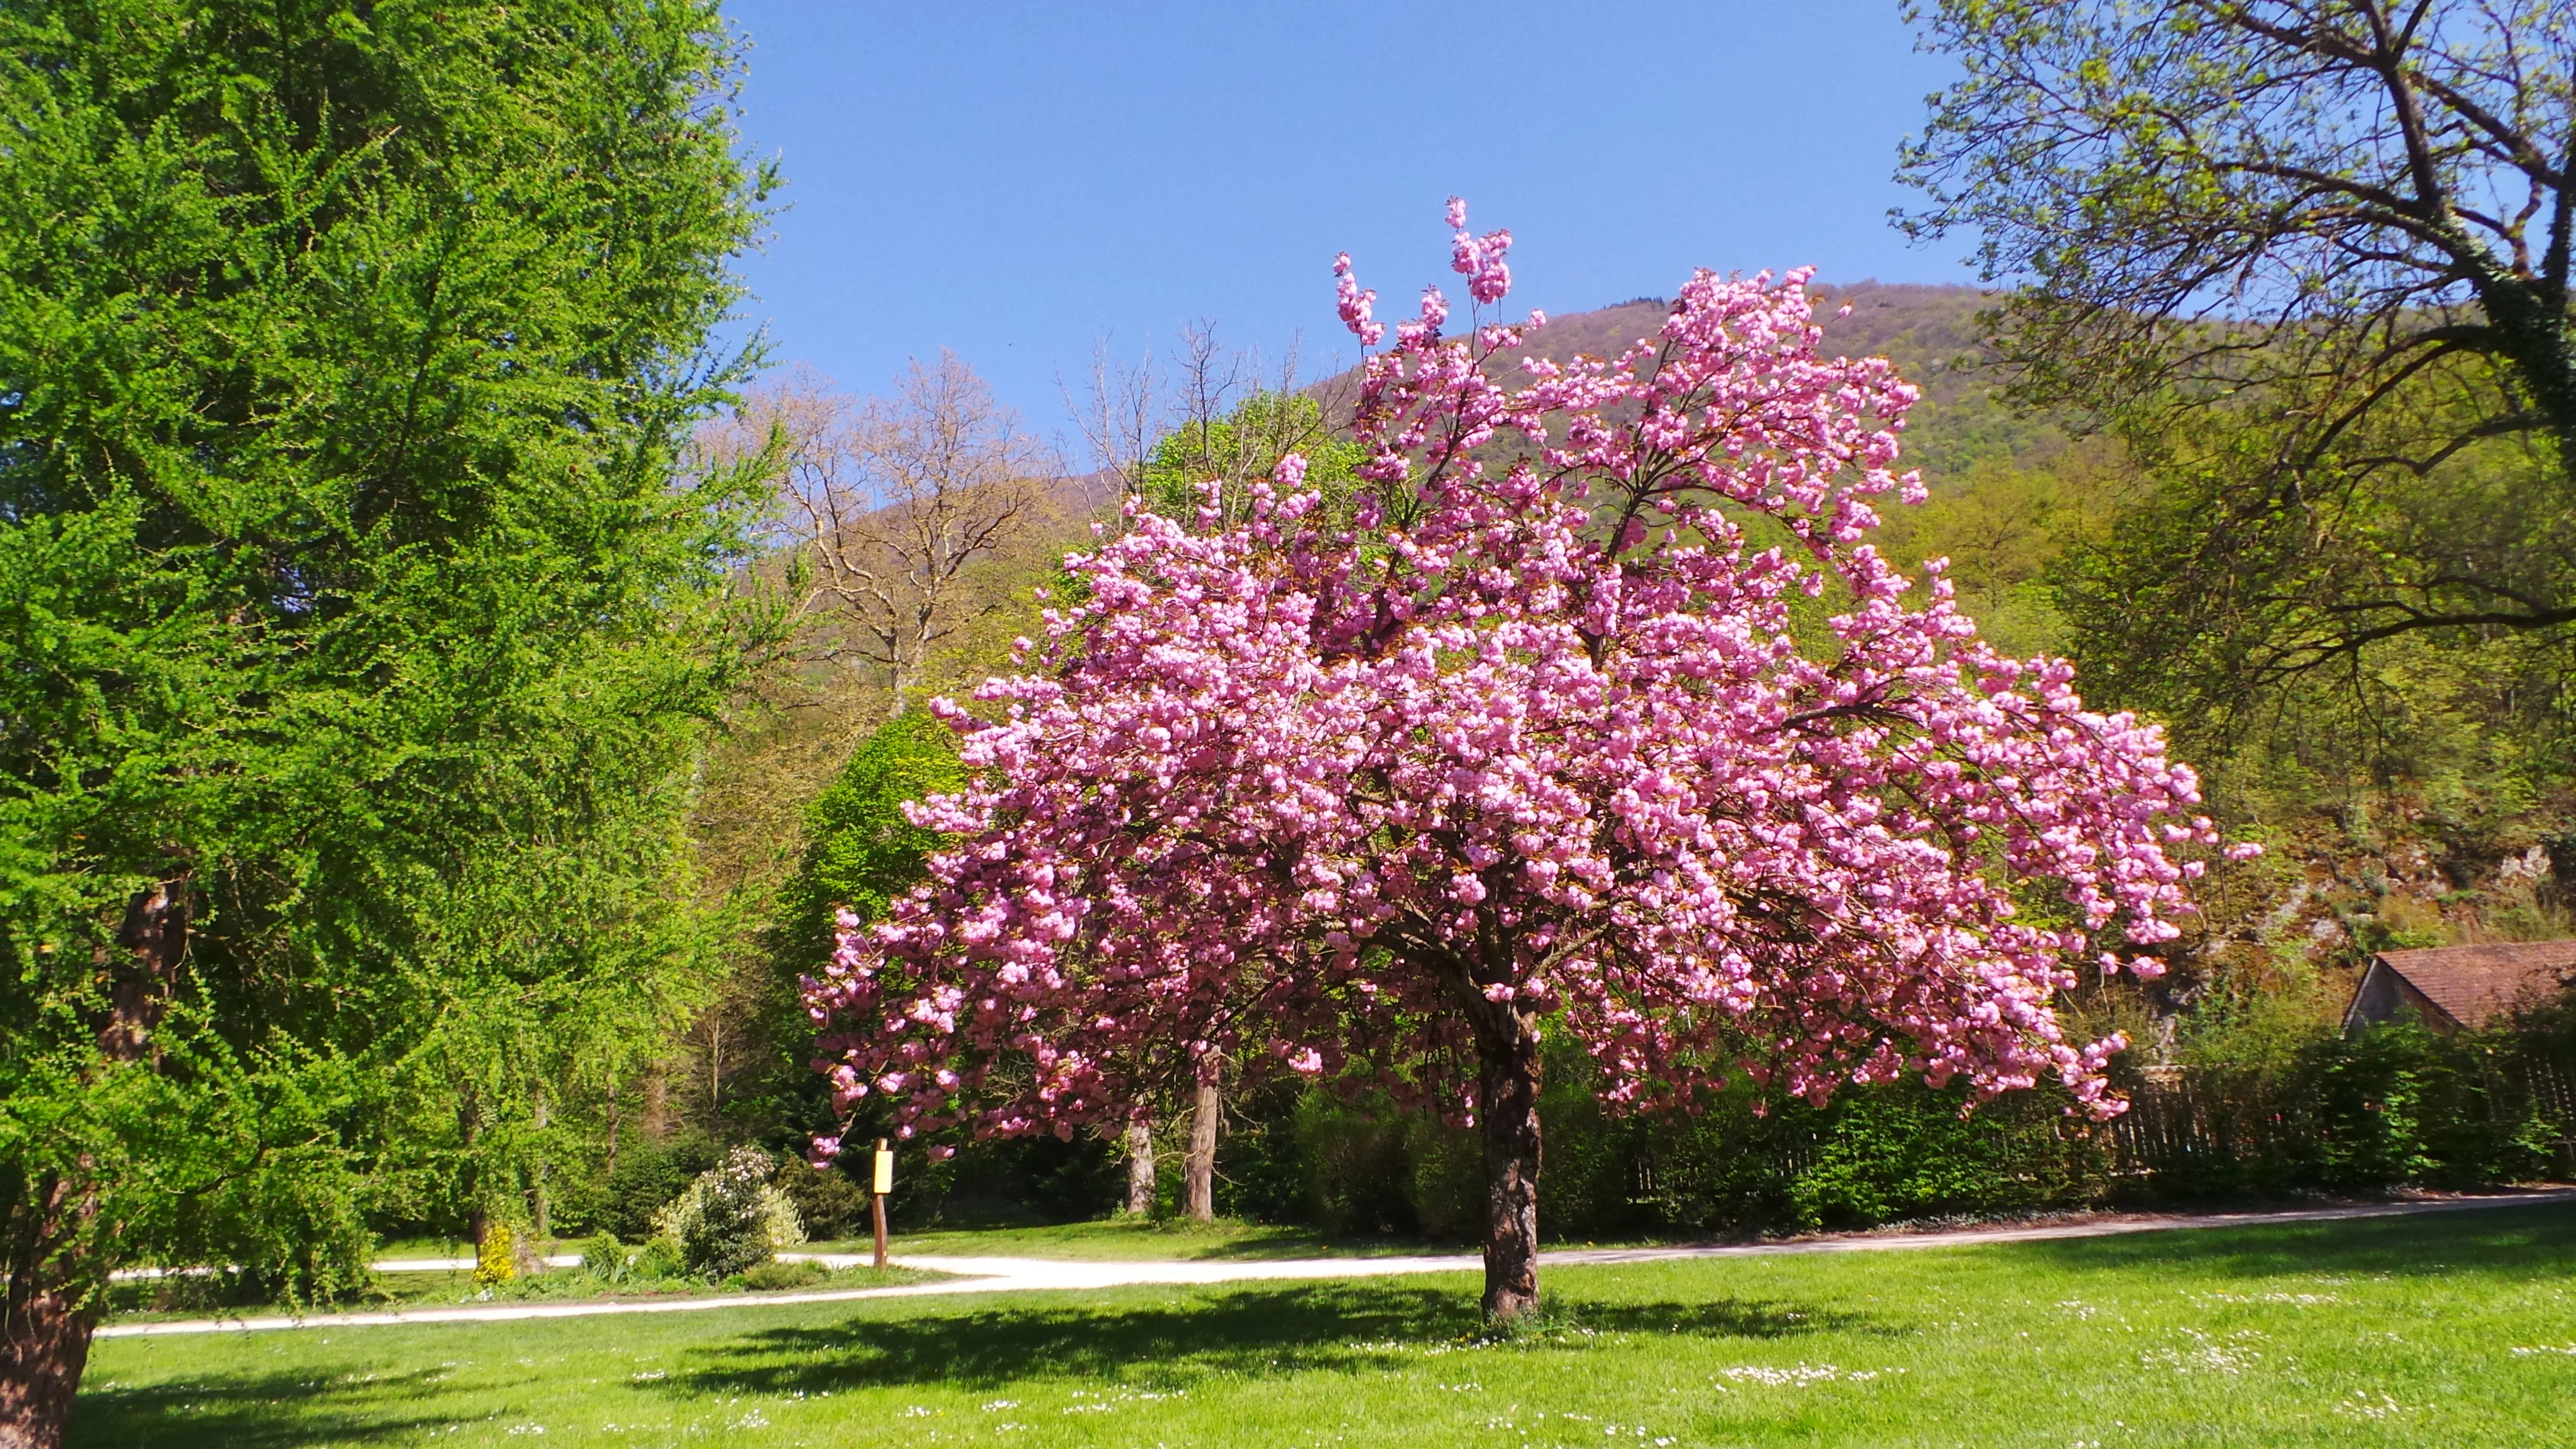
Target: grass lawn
[[2449, 1329], [1133, 1238], [444, 1248], [151, 1301]]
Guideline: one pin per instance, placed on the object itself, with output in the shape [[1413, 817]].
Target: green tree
[[863, 852], [860, 854], [2345, 225], [1240, 447], [357, 630]]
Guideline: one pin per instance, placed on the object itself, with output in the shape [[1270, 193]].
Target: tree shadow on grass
[[255, 1411], [1242, 1332], [2538, 1239]]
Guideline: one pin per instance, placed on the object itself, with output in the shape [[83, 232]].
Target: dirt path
[[1011, 1275]]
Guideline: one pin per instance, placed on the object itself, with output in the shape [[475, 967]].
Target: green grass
[[163, 1300], [2394, 1331], [1136, 1239], [437, 1248]]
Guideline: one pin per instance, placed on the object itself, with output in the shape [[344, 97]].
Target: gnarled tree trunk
[[1507, 1085], [44, 1328], [54, 1264]]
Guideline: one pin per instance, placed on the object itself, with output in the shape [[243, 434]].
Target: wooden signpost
[[884, 1184]]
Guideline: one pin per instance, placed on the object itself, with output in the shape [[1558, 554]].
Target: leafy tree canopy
[[2310, 257], [1243, 446], [864, 852], [354, 633]]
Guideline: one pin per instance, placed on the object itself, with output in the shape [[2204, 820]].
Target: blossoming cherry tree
[[1524, 742]]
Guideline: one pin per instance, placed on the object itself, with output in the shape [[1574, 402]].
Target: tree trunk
[[1140, 1168], [48, 1314], [44, 1334], [1507, 1083], [1199, 1199]]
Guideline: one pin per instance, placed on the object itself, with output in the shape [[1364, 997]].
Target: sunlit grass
[[157, 1301], [1130, 1238], [2449, 1329]]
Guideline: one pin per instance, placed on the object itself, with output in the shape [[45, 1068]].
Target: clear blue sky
[[1012, 180]]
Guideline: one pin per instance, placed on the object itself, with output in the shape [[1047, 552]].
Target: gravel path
[[1010, 1275]]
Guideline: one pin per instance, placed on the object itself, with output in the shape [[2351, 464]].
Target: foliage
[[1743, 1165], [2395, 1104], [659, 1260], [1242, 448], [606, 1259], [829, 1203], [857, 850], [2342, 229], [2220, 595], [355, 635], [732, 1216], [1383, 799], [864, 851], [648, 1175], [496, 1257]]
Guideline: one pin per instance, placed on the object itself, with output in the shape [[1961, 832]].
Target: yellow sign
[[885, 1170]]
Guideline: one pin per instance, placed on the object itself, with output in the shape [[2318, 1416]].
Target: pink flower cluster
[[1534, 736]]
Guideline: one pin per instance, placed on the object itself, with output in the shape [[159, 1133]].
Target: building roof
[[2473, 984]]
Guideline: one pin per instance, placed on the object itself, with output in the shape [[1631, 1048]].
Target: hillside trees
[[1528, 744], [2315, 253], [891, 501], [356, 636], [859, 854], [911, 530]]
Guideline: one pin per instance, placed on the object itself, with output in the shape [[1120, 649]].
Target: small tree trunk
[[1140, 1168], [1199, 1201], [1507, 1084], [46, 1318], [44, 1335]]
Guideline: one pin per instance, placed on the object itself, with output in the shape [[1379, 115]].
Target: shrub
[[606, 1259], [649, 1174], [830, 1203], [658, 1261], [732, 1216], [2398, 1104], [494, 1261]]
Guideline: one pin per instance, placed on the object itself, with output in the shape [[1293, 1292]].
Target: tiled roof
[[2474, 983]]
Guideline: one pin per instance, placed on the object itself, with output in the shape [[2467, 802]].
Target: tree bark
[[1507, 1085], [44, 1331], [54, 1262], [1140, 1168], [1199, 1198]]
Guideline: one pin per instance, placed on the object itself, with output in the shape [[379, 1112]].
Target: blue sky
[[1014, 180]]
